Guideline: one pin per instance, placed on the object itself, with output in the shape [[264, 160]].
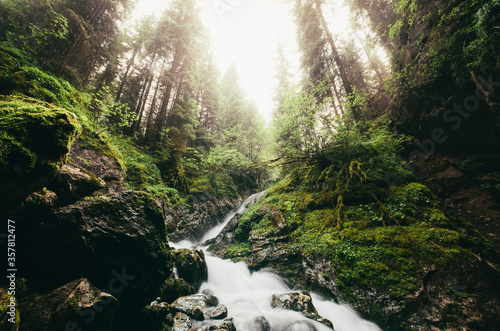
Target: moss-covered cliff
[[35, 138], [397, 256], [447, 72]]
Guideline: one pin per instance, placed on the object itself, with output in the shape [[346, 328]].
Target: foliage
[[460, 38], [29, 24], [19, 76], [221, 158], [385, 240], [33, 134], [115, 120], [299, 129], [108, 113]]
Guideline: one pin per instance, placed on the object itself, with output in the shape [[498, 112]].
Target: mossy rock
[[376, 255], [74, 183], [40, 203], [35, 138], [191, 266], [174, 289], [68, 307]]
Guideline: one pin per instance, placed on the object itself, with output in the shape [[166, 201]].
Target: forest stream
[[133, 134], [248, 295]]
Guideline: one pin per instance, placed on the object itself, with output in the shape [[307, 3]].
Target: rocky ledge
[[205, 211]]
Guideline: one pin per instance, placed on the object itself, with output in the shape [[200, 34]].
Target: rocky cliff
[[94, 254]]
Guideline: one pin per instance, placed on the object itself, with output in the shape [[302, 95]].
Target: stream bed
[[247, 295]]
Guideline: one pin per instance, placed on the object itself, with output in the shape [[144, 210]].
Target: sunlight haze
[[246, 34]]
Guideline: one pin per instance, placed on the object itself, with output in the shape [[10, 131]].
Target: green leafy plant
[[108, 113]]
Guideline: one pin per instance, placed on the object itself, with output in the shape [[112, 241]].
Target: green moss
[[19, 76], [73, 303], [5, 300], [34, 136], [238, 251], [200, 185], [382, 246]]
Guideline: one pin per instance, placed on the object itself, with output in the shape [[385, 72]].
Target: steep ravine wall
[[447, 75], [92, 254]]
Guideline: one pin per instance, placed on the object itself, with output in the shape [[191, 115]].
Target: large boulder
[[191, 266], [74, 183], [75, 306], [300, 302], [182, 322], [197, 306], [117, 241], [35, 138]]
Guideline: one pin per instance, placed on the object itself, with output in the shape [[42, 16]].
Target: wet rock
[[76, 305], [182, 322], [300, 302], [261, 324], [193, 222], [195, 305], [224, 239], [118, 242], [73, 183], [216, 313], [34, 140], [269, 252], [460, 295], [301, 326], [227, 325], [191, 266]]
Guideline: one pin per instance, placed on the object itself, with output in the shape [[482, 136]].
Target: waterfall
[[247, 295]]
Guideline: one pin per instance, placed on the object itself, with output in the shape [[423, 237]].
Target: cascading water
[[247, 295]]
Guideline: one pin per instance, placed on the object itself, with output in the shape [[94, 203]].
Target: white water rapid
[[247, 295]]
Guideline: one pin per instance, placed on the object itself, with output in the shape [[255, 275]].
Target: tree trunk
[[370, 59], [137, 125], [125, 76], [338, 61], [162, 116]]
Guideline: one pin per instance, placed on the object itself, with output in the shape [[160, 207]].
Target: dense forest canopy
[[157, 81]]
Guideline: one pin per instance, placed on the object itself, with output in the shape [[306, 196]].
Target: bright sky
[[246, 32]]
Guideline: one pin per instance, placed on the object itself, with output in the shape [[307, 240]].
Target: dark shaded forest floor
[[464, 192]]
